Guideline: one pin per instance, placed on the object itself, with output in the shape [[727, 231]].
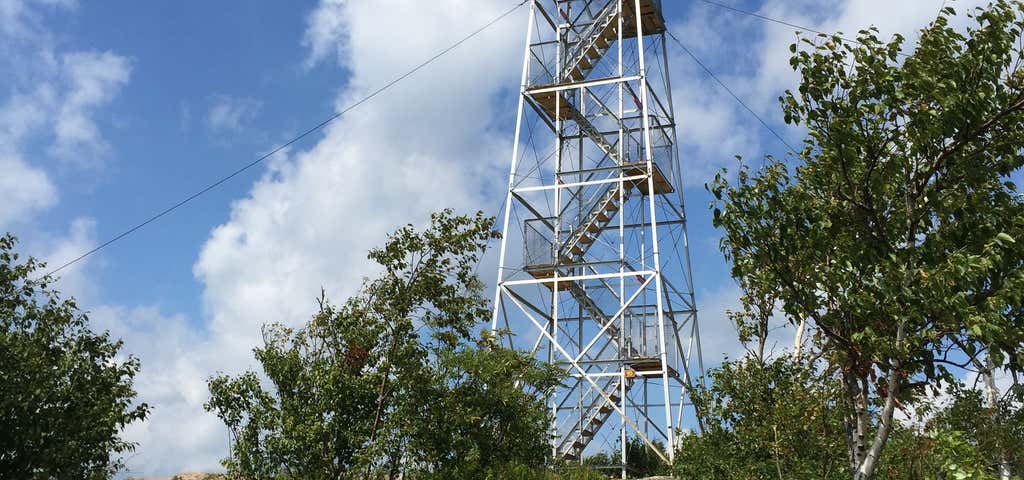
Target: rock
[[185, 476]]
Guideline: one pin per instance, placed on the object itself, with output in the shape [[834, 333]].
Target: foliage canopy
[[394, 382], [764, 419], [65, 391], [899, 235]]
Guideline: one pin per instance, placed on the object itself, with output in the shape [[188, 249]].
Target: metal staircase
[[597, 219], [595, 42], [582, 237], [603, 31], [588, 304], [596, 414]]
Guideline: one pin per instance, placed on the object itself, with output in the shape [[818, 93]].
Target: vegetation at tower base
[[393, 382], [897, 233], [65, 392], [765, 419], [782, 418], [641, 461]]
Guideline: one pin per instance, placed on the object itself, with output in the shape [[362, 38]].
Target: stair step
[[594, 46], [579, 437]]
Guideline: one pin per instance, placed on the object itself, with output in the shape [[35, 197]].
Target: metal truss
[[594, 271]]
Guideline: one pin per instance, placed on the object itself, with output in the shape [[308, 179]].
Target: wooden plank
[[661, 184], [651, 18], [546, 101], [547, 272], [648, 366]]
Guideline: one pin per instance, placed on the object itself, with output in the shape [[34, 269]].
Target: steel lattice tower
[[594, 273]]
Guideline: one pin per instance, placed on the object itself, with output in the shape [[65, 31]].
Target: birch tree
[[896, 231]]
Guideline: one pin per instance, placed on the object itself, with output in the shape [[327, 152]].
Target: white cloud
[[24, 113], [178, 435], [710, 129], [25, 190], [20, 20], [326, 32], [421, 147], [176, 359], [60, 249], [310, 220], [719, 336], [92, 80], [49, 93], [228, 114]]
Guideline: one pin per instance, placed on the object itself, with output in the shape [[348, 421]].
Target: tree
[[65, 392], [642, 461], [394, 382], [916, 453], [778, 418], [781, 418], [898, 234], [994, 429]]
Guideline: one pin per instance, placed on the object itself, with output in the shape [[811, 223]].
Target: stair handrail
[[587, 38], [612, 153], [588, 207], [589, 413], [595, 207], [594, 412], [581, 297]]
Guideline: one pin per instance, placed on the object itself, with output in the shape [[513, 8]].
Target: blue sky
[[184, 61], [111, 111]]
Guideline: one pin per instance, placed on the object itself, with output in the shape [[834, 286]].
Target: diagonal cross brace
[[583, 373]]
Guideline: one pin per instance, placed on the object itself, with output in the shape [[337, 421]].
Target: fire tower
[[594, 273]]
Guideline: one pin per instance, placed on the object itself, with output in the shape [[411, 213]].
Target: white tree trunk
[[869, 462], [798, 342], [992, 395]]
